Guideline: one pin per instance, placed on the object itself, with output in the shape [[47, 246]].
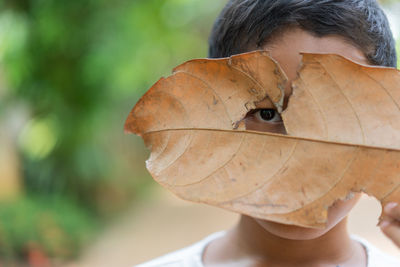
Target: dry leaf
[[342, 120]]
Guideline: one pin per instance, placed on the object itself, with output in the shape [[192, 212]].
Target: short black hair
[[245, 25]]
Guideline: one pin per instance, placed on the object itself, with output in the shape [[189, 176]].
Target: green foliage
[[57, 227], [398, 54], [78, 67]]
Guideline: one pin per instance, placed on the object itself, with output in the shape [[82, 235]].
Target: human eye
[[265, 120], [268, 115]]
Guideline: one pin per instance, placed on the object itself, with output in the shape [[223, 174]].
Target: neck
[[250, 239], [335, 244]]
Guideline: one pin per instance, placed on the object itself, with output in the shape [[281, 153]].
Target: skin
[[256, 242], [390, 224]]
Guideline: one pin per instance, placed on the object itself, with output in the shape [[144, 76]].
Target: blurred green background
[[70, 72]]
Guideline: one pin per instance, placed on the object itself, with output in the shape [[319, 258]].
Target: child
[[356, 29]]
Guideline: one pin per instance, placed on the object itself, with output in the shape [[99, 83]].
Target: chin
[[337, 215], [292, 232]]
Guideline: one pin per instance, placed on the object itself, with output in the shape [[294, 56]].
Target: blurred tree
[[79, 66], [72, 70]]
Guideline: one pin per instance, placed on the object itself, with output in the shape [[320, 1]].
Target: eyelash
[[276, 118]]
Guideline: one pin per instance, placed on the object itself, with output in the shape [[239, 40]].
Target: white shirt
[[191, 256]]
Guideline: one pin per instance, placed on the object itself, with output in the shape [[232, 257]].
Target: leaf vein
[[348, 101]]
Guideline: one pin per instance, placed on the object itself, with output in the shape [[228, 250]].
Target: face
[[286, 49]]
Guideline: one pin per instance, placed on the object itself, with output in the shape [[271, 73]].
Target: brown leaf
[[342, 120]]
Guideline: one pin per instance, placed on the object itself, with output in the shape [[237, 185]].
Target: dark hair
[[245, 25]]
